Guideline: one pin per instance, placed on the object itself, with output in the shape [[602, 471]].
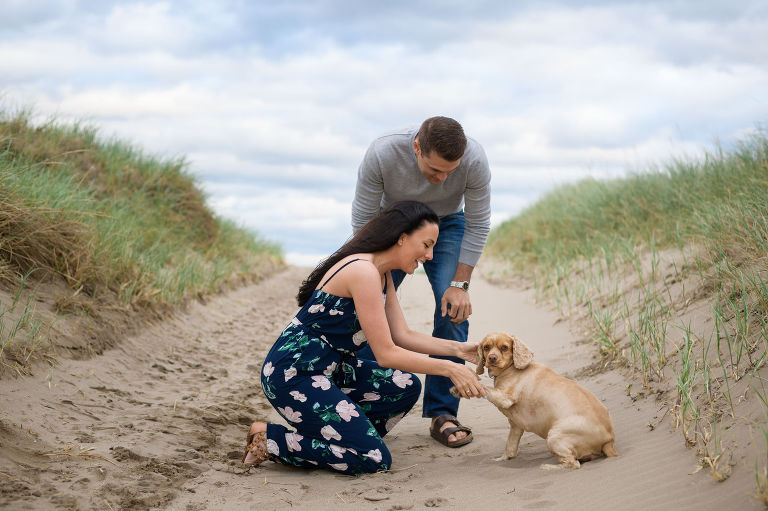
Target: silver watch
[[461, 284]]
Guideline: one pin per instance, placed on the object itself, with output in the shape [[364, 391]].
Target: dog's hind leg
[[561, 447]]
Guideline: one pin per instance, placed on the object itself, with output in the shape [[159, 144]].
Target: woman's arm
[[364, 285], [406, 338]]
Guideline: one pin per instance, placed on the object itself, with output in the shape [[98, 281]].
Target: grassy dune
[[668, 269], [95, 225]]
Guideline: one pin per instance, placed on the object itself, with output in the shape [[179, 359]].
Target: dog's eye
[[486, 348], [504, 347]]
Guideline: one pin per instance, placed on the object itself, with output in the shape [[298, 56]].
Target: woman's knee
[[413, 390], [376, 460]]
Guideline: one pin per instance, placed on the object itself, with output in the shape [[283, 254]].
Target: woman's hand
[[465, 380], [468, 351]]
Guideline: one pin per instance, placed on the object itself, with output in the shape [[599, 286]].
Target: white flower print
[[338, 451], [401, 379], [341, 467], [292, 439], [393, 421], [289, 373], [371, 396], [359, 338], [272, 447], [333, 312], [375, 455], [352, 451], [289, 414], [329, 370], [268, 369], [346, 390], [298, 396], [328, 432], [321, 382], [318, 307], [346, 410], [296, 321]]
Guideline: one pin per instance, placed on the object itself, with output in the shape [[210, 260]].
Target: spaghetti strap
[[337, 271]]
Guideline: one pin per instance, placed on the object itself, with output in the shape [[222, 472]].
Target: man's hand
[[460, 306]]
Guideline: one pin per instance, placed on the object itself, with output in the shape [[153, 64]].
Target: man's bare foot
[[451, 432], [447, 424]]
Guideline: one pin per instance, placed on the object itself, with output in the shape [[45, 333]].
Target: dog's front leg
[[499, 398], [513, 442]]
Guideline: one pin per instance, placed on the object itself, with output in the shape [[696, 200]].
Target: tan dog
[[534, 398]]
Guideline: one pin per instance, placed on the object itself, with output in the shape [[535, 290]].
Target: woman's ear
[[402, 239], [480, 360], [521, 354]]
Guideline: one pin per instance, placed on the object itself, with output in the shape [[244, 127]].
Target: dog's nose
[[492, 359]]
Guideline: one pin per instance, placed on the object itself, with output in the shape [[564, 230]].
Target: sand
[[158, 422]]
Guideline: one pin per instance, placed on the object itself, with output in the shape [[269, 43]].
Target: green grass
[[108, 219], [636, 255]]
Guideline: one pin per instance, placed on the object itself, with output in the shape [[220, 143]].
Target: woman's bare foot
[[257, 427]]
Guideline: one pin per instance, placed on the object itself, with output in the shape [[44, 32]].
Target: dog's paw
[[454, 392], [560, 466], [503, 457]]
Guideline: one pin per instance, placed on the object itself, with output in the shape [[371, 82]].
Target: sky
[[273, 104]]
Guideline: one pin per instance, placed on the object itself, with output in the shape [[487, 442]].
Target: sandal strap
[[442, 419], [257, 447], [450, 431]]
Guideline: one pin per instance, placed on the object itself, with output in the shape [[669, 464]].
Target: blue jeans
[[440, 271]]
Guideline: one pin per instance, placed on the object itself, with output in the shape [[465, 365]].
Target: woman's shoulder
[[353, 265]]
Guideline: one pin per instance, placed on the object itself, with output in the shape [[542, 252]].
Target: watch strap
[[461, 284]]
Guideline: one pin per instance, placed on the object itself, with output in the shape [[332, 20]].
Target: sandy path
[[159, 423]]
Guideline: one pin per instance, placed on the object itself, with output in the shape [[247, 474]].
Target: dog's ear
[[480, 359], [521, 354]]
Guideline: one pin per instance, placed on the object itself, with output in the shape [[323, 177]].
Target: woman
[[341, 406]]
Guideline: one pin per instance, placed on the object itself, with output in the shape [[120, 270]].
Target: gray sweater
[[389, 173]]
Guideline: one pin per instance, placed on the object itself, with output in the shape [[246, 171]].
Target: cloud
[[273, 104]]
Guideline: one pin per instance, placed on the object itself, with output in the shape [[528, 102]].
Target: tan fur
[[534, 398]]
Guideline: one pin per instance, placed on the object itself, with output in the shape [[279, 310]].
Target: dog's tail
[[609, 450]]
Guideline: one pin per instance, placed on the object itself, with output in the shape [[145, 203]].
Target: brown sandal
[[256, 449], [442, 436]]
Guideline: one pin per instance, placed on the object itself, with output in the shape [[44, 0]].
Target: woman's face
[[417, 246]]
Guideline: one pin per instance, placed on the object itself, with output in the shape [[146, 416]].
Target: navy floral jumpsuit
[[340, 406]]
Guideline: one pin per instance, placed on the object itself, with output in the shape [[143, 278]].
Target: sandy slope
[[159, 423]]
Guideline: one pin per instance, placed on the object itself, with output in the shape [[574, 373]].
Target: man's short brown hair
[[443, 135]]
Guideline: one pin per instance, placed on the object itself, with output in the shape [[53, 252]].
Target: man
[[438, 165]]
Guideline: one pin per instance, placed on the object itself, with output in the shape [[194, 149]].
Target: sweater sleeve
[[477, 210], [368, 191]]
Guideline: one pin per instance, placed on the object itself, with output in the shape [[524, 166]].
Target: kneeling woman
[[341, 406]]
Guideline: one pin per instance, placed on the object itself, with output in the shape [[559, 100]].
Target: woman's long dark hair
[[380, 233]]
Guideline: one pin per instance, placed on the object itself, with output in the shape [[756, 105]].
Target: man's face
[[435, 169]]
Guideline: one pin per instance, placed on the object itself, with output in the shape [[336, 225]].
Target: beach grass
[[109, 220], [669, 269]]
